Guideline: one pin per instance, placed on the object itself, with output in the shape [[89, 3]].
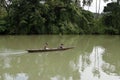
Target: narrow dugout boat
[[49, 49]]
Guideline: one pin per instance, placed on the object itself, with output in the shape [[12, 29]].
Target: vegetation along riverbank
[[57, 17]]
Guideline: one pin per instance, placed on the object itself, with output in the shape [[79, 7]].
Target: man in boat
[[61, 46], [46, 46]]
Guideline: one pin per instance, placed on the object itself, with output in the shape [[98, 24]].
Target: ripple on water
[[8, 52]]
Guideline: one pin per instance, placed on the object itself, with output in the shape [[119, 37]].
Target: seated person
[[46, 46], [61, 46]]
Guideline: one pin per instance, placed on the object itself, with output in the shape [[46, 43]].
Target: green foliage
[[98, 27], [2, 26], [112, 19], [2, 21], [56, 17], [51, 17]]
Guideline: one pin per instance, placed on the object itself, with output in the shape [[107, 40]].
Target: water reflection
[[19, 76], [7, 61], [93, 67], [58, 77]]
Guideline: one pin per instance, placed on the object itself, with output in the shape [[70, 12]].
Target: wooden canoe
[[47, 50]]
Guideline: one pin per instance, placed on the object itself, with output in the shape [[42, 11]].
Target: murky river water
[[93, 58]]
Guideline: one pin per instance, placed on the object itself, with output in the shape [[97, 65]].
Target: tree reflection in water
[[19, 76], [97, 67]]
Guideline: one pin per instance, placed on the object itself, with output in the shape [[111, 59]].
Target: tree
[[50, 17], [112, 18], [6, 4]]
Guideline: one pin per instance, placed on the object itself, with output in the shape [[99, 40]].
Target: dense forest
[[57, 17]]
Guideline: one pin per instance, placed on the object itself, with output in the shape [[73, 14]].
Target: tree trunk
[[118, 1], [96, 6], [99, 6]]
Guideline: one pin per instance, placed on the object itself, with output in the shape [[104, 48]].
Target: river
[[93, 58]]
